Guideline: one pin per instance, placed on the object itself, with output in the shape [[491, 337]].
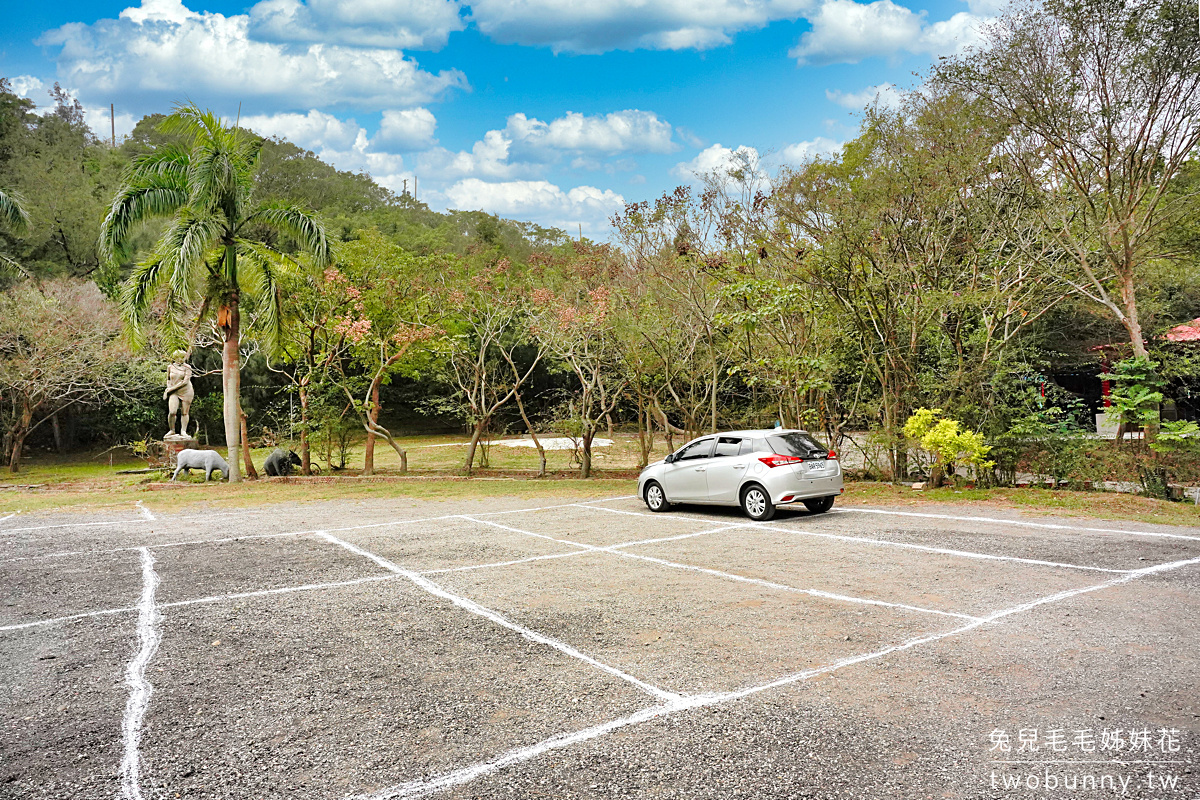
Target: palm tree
[[13, 217], [213, 237]]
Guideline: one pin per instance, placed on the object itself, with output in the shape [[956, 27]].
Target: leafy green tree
[[212, 248], [1102, 99], [14, 217], [946, 443], [60, 348], [391, 320]]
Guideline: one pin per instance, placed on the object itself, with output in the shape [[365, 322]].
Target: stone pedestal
[[175, 442]]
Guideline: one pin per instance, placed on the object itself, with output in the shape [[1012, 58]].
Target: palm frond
[[183, 248], [133, 205], [216, 180], [191, 121], [296, 224], [137, 294], [267, 267], [169, 162], [12, 268], [12, 212]]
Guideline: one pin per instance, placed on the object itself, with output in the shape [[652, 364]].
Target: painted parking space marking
[[216, 598], [474, 608], [1020, 523], [140, 690], [771, 526], [468, 774]]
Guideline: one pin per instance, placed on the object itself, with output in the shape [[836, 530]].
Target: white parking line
[[780, 587], [157, 545], [217, 598], [1021, 523], [613, 549], [767, 526], [473, 607], [519, 755], [140, 689], [294, 533], [69, 618], [8, 516]]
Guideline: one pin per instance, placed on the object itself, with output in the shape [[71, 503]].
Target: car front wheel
[[757, 504], [819, 505], [656, 498]]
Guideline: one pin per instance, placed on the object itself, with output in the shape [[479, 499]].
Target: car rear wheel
[[757, 504], [819, 505], [656, 498]]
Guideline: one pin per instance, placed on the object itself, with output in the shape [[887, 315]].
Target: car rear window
[[796, 444]]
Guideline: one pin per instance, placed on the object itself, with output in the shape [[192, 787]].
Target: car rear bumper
[[806, 489]]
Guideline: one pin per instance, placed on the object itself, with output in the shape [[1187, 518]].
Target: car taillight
[[779, 461], [832, 455]]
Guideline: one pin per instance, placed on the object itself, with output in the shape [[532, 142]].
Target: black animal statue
[[280, 462]]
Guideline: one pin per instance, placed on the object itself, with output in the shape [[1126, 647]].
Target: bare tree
[[60, 347], [1102, 98]]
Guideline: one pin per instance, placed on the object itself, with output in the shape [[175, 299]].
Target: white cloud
[[407, 24], [102, 122], [538, 201], [488, 157], [987, 8], [342, 143], [526, 145], [801, 152], [408, 129], [846, 31], [885, 93], [629, 131], [596, 26], [159, 11], [161, 49], [30, 88], [101, 119], [314, 131], [715, 158]]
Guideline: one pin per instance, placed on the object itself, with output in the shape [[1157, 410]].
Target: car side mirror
[[670, 459]]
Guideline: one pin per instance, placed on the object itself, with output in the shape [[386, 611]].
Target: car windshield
[[796, 444]]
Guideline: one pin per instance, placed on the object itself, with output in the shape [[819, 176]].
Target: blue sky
[[556, 111]]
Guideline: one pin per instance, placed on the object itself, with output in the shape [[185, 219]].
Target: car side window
[[754, 446], [727, 446], [699, 449]]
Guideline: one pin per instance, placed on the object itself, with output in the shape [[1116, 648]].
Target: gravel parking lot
[[497, 648]]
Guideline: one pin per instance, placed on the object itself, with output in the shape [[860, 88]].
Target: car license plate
[[815, 466]]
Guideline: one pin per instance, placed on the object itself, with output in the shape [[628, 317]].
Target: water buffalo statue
[[280, 463], [208, 460]]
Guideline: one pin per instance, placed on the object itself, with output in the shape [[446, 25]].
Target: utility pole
[[112, 117]]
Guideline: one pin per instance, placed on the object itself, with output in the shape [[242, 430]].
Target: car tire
[[655, 497], [819, 505], [756, 502]]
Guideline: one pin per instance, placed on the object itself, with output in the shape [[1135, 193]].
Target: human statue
[[179, 392]]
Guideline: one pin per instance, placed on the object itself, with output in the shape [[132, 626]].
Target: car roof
[[761, 433]]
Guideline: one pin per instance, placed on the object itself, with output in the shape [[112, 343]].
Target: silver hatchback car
[[758, 470]]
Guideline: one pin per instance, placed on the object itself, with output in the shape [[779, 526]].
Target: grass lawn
[[89, 482]]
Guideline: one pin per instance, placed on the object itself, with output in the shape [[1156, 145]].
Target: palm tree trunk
[[231, 382]]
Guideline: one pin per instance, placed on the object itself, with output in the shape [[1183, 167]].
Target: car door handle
[[739, 466], [700, 469]]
